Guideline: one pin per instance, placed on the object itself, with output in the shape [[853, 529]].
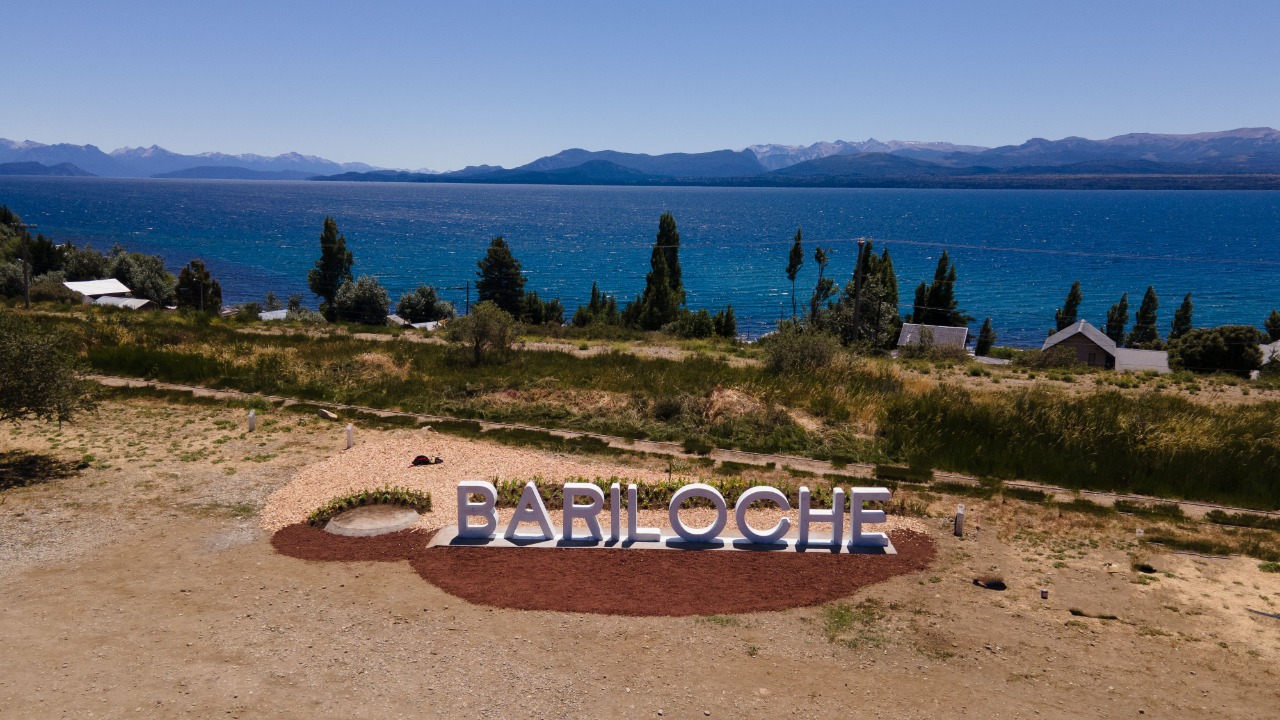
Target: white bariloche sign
[[530, 510]]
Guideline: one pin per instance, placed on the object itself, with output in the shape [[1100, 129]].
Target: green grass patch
[[1245, 520]]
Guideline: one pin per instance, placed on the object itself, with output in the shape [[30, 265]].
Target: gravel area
[[388, 462]]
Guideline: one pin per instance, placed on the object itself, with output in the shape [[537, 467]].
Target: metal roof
[[131, 303], [273, 314], [943, 336], [1131, 359], [94, 288], [1082, 327]]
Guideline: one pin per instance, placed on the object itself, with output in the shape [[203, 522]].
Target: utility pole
[[468, 312], [857, 292], [26, 265]]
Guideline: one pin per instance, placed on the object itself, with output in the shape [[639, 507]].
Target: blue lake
[[1017, 252]]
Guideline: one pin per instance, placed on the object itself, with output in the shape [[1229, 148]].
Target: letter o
[[755, 494], [701, 490]]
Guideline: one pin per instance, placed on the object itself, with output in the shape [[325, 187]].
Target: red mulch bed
[[622, 582], [308, 543]]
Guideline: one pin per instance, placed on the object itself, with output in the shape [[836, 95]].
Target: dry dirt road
[[146, 587]]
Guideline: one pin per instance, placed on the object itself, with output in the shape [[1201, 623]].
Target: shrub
[[1170, 511], [249, 312], [1025, 494], [387, 495], [1247, 520], [1230, 348], [41, 374], [795, 348], [424, 305], [692, 325], [908, 474], [364, 301], [487, 331], [1056, 357]]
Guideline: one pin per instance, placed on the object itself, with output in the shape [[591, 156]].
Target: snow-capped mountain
[[776, 157], [155, 160]]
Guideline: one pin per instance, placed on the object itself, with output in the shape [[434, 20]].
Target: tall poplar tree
[[332, 269], [825, 288], [1117, 319], [1181, 319], [1145, 331], [1067, 315], [500, 278], [668, 241], [794, 261]]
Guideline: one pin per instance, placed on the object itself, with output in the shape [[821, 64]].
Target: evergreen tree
[[668, 241], [935, 303], [501, 280], [1181, 319], [987, 337], [1067, 315], [726, 323], [659, 304], [602, 309], [1117, 318], [794, 261], [332, 269], [1273, 325], [663, 294], [1145, 332], [197, 290], [271, 302], [825, 288]]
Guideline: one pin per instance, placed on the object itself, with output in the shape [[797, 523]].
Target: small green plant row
[[1156, 510], [1251, 546], [1246, 520], [386, 495], [657, 495]]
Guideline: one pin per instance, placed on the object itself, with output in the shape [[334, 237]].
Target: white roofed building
[[943, 335], [94, 289]]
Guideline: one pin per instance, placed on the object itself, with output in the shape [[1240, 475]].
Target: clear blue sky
[[442, 85]]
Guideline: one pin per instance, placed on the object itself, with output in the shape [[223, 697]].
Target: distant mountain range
[[153, 161], [35, 168], [1243, 158]]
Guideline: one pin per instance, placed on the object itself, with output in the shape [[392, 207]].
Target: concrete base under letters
[[449, 536], [372, 520]]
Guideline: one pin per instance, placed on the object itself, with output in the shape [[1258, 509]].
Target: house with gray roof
[[1093, 348], [943, 336]]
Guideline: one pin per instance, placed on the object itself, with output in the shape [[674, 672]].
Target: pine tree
[[986, 338], [794, 262], [1117, 318], [501, 280], [1273, 325], [668, 241], [197, 290], [1181, 319], [332, 269], [935, 303], [1145, 332], [1067, 315]]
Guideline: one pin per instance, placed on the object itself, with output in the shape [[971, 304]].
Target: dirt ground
[[147, 587]]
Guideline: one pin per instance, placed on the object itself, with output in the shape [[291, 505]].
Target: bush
[[487, 331], [794, 348], [249, 312], [1168, 511], [364, 301], [1056, 357], [41, 375], [1230, 348], [424, 305], [692, 325], [1247, 520]]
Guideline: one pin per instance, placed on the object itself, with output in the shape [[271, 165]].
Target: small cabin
[[943, 335], [1093, 348]]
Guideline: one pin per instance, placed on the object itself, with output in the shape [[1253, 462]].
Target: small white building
[[122, 302], [268, 315], [943, 335]]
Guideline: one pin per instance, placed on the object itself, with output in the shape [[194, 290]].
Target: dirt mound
[[622, 582]]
